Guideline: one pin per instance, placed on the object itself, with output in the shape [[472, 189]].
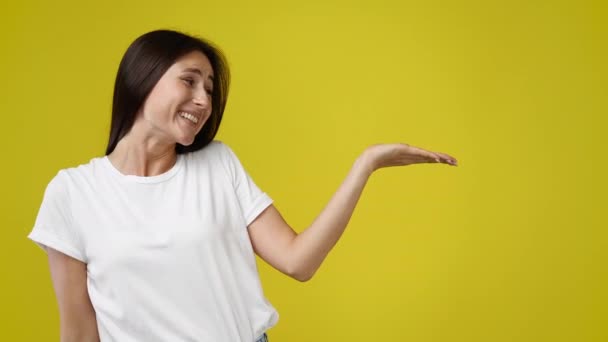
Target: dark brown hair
[[145, 62]]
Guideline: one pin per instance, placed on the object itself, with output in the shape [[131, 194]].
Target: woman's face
[[180, 103]]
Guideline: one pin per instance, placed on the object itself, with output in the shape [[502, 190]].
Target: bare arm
[[77, 316], [301, 255]]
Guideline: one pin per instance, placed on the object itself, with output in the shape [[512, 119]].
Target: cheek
[[164, 108], [165, 96], [158, 114]]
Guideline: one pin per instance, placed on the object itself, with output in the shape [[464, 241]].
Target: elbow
[[300, 268], [301, 275], [302, 278]]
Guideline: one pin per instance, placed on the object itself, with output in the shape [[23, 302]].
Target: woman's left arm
[[300, 255]]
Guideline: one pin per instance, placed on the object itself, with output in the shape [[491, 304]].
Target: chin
[[185, 142], [186, 138]]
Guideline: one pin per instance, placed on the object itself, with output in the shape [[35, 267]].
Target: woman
[[155, 241]]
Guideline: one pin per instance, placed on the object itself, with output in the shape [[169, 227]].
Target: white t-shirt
[[169, 256]]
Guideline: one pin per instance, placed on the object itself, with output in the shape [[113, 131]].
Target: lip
[[196, 113]]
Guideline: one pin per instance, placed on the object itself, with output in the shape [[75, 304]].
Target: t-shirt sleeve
[[54, 225], [252, 200]]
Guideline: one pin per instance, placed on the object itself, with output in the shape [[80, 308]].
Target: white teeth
[[188, 116]]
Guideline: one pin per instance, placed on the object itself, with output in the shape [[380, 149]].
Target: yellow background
[[508, 246]]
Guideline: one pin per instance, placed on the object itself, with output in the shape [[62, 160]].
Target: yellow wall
[[509, 246]]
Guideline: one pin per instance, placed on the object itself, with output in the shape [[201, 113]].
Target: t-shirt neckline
[[145, 179]]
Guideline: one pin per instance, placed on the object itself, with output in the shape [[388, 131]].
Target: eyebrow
[[196, 70]]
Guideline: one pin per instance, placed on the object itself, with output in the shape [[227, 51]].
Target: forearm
[[80, 336], [310, 247], [79, 329]]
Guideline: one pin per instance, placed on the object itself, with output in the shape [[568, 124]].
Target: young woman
[[155, 241]]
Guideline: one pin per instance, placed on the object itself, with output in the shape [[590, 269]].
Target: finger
[[434, 157], [424, 156], [408, 160], [428, 156], [447, 158]]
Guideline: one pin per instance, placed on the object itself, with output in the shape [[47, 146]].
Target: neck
[[143, 156]]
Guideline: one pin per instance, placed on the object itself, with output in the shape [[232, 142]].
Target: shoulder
[[217, 156], [78, 175], [215, 147], [215, 151]]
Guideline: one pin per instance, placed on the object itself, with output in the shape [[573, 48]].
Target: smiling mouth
[[189, 117]]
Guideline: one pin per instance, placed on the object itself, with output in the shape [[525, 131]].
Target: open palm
[[385, 155]]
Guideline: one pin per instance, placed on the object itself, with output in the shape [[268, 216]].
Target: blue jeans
[[263, 338]]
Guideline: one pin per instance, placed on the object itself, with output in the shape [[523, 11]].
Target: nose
[[202, 99]]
